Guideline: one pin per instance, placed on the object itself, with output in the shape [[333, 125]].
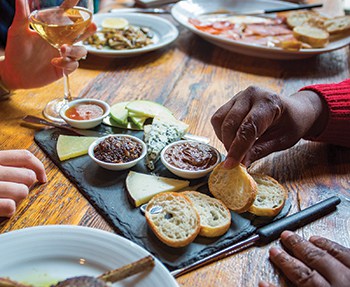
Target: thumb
[[22, 12]]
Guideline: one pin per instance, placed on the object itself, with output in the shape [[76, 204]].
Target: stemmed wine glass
[[60, 22]]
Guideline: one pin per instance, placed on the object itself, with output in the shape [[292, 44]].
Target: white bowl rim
[[97, 141], [105, 105], [186, 170]]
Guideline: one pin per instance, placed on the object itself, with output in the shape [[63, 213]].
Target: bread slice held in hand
[[215, 218], [173, 219], [234, 187], [270, 198]]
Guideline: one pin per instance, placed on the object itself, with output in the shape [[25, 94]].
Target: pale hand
[[257, 122], [19, 170], [29, 60]]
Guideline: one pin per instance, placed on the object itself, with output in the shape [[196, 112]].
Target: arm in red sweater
[[337, 97]]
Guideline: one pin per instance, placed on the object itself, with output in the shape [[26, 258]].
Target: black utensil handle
[[299, 7], [273, 230]]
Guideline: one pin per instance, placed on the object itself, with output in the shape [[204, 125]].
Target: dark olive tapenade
[[118, 149]]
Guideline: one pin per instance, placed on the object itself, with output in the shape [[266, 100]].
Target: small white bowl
[[85, 124], [117, 166], [185, 173]]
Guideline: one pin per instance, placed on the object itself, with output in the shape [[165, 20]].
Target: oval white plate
[[44, 255], [184, 10], [164, 33]]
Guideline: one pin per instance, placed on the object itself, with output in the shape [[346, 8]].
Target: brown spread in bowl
[[191, 156]]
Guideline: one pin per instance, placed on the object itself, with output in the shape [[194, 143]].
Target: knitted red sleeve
[[337, 97]]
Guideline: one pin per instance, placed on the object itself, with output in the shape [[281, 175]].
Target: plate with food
[[291, 35], [129, 34], [45, 255]]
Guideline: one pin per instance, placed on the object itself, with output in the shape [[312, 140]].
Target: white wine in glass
[[60, 22]]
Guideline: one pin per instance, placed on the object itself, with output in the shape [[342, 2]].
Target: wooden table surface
[[193, 78]]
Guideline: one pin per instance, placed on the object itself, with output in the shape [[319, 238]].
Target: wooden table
[[193, 78]]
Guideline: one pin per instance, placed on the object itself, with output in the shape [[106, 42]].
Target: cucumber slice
[[119, 113], [147, 109]]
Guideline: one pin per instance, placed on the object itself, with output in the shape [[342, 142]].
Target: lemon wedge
[[114, 23], [72, 146]]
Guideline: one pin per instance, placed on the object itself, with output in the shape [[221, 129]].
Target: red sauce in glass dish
[[84, 112]]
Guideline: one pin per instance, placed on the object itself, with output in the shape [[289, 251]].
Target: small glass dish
[[76, 113], [118, 142], [176, 158]]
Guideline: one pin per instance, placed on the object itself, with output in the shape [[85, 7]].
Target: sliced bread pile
[[315, 29], [241, 192], [177, 218]]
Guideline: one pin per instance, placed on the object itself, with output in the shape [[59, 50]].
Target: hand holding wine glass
[[32, 62]]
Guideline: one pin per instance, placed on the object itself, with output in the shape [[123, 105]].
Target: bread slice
[[173, 219], [234, 187], [337, 25], [300, 18], [215, 218], [315, 37], [270, 198]]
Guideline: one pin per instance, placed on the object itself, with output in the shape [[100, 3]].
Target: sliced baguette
[[270, 198], [234, 187], [295, 19], [215, 218], [337, 25], [173, 219], [315, 37]]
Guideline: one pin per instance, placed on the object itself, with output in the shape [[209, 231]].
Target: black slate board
[[105, 190]]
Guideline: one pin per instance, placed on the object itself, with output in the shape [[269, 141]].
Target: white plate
[[184, 10], [45, 254], [164, 33]]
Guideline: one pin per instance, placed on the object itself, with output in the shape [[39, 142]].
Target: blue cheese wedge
[[142, 187], [162, 132]]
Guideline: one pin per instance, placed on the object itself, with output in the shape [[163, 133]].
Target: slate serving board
[[105, 190]]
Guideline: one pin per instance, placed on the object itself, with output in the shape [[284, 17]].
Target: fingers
[[311, 264], [7, 207], [21, 166], [15, 191], [338, 251], [88, 32], [73, 52], [22, 12], [295, 270]]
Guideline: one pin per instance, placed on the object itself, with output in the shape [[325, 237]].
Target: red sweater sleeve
[[337, 97]]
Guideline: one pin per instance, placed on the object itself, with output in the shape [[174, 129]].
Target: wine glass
[[60, 22]]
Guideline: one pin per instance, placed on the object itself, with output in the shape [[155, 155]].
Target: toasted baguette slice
[[300, 18], [315, 37], [270, 198], [337, 25], [234, 187], [215, 218], [173, 219]]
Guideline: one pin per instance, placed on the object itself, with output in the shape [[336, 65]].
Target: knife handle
[[273, 230]]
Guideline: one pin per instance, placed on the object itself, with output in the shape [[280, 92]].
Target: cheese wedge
[[142, 187], [73, 146]]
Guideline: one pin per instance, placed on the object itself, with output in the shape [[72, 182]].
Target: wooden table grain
[[193, 78]]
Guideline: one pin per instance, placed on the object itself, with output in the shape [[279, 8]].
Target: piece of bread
[[337, 25], [270, 198], [173, 219], [234, 187], [315, 37], [300, 18], [215, 218]]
